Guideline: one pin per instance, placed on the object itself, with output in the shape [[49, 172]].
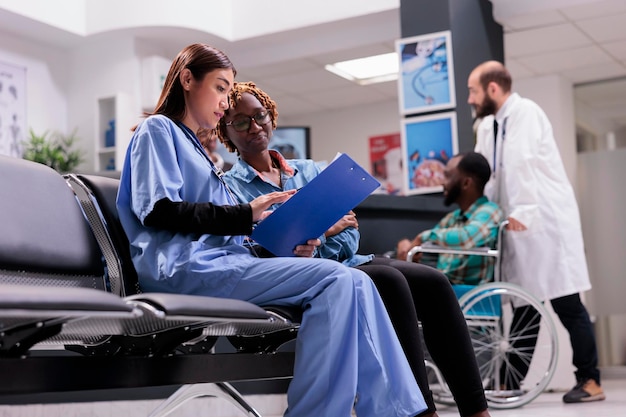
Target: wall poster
[[13, 131], [426, 78], [427, 144], [386, 162]]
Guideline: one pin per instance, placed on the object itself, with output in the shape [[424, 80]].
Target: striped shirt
[[477, 227]]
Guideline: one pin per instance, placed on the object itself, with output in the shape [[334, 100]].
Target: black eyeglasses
[[242, 124]]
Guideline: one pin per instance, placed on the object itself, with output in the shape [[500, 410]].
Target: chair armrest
[[432, 248], [201, 306]]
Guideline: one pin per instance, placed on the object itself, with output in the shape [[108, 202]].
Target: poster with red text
[[386, 162]]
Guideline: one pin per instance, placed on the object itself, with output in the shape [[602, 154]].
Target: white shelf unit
[[117, 107]]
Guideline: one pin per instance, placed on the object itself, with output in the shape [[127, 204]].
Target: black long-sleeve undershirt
[[185, 217]]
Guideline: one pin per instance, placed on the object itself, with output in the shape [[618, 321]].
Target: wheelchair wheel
[[438, 387], [514, 340]]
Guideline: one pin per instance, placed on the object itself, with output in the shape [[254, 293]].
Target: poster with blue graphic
[[426, 78], [428, 142]]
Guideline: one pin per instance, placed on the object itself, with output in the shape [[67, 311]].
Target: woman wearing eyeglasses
[[186, 235], [409, 290]]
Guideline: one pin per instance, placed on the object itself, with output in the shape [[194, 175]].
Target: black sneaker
[[585, 390]]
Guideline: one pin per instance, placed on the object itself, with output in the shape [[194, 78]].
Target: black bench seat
[[72, 316]]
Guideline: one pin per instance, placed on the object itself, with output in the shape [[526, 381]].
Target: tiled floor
[[551, 405], [546, 405]]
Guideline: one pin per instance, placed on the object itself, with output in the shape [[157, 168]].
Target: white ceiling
[[584, 43], [581, 40]]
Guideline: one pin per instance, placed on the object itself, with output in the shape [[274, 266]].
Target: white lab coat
[[530, 184]]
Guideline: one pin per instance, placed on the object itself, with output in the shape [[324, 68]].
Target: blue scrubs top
[[164, 161]]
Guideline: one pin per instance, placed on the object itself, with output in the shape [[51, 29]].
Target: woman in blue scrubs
[[186, 233]]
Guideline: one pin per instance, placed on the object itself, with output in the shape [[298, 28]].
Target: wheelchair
[[516, 358]]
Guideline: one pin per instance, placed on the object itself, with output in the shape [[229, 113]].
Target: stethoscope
[[198, 146], [218, 173]]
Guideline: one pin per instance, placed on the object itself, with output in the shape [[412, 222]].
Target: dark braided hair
[[234, 97]]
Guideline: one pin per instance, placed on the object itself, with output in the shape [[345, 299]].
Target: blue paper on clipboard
[[340, 187]]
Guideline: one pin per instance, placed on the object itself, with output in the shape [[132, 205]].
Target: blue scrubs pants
[[346, 347]]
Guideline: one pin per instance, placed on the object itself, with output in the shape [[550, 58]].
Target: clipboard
[[340, 187]]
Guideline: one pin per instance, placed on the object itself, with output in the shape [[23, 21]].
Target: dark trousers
[[413, 292], [575, 318]]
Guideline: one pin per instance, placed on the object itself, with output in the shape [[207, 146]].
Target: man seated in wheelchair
[[474, 224]]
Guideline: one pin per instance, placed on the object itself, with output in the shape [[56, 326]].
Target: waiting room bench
[[71, 316]]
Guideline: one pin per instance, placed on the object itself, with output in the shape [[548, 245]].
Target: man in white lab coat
[[543, 250]]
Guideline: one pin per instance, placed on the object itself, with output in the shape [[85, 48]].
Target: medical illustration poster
[[12, 110], [427, 144], [426, 74]]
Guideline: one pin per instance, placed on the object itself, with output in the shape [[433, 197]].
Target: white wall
[[46, 81], [602, 206], [63, 88], [587, 118], [348, 130], [68, 15], [102, 67]]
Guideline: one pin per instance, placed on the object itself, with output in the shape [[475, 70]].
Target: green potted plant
[[55, 150]]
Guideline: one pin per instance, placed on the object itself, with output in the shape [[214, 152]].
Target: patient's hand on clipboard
[[348, 220], [308, 250]]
